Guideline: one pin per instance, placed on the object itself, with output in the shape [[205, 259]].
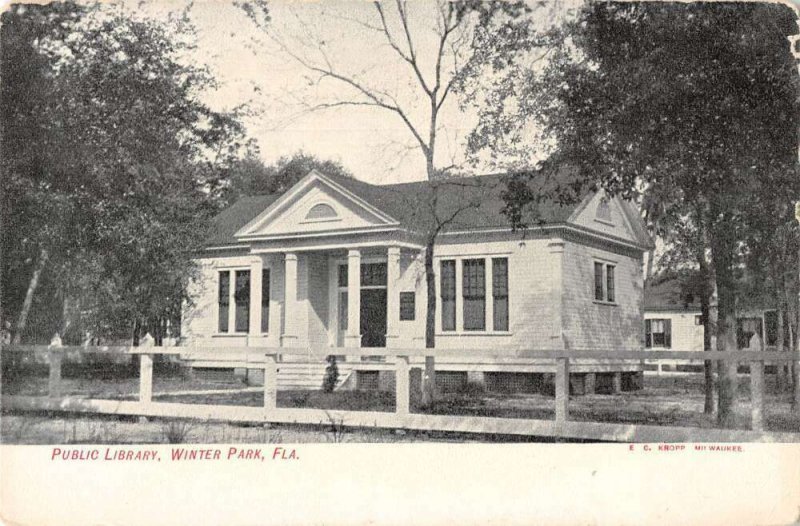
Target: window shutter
[[648, 342], [668, 333]]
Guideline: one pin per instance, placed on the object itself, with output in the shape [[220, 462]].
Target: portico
[[335, 297]]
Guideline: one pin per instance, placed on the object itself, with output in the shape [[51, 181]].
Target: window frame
[[226, 329], [245, 304], [460, 325], [453, 325], [649, 339], [232, 270], [604, 284], [473, 289], [500, 293], [321, 219]]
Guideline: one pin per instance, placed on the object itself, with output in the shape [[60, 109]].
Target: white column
[[255, 300], [489, 295], [289, 336], [353, 336], [392, 296]]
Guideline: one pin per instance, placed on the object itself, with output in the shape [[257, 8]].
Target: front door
[[373, 317]]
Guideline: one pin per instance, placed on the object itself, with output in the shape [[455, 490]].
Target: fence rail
[[268, 358]]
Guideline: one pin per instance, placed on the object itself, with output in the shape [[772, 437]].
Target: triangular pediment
[[315, 204], [605, 214]]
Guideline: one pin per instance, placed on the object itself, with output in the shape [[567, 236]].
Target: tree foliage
[[251, 176], [113, 164], [693, 105]]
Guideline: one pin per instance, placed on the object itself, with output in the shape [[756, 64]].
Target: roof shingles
[[464, 203]]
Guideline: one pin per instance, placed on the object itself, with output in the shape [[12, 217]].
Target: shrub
[[331, 375], [176, 431]]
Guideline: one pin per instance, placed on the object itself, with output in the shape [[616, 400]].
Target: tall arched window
[[321, 211]]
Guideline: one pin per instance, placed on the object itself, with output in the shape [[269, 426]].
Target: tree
[[436, 61], [250, 176], [121, 170], [694, 98], [679, 224], [770, 248]]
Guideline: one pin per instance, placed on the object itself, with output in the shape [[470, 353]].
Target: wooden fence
[[561, 427]]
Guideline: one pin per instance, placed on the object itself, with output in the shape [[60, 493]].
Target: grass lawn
[[114, 386], [675, 400]]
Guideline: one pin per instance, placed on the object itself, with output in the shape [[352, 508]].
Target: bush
[[331, 375], [176, 431]]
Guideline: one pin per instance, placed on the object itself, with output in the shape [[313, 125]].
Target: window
[[603, 212], [343, 313], [598, 281], [474, 292], [373, 274], [610, 283], [343, 275], [407, 306], [746, 328], [265, 283], [500, 293], [604, 288], [321, 211], [698, 320], [241, 298], [658, 333], [448, 292], [224, 300]]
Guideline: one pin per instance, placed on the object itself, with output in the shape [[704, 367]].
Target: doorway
[[373, 317]]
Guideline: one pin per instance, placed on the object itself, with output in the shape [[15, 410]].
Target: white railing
[[268, 358]]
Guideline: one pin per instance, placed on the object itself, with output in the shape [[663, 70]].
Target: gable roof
[[475, 203], [225, 225], [675, 292], [681, 290]]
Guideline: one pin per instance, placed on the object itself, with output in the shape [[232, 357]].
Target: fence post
[[562, 391], [55, 355], [146, 371], [757, 384], [401, 383], [270, 382]]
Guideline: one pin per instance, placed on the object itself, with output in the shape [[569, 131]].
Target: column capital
[[290, 256], [393, 251], [354, 253]]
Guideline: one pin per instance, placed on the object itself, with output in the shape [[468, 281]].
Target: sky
[[252, 69]]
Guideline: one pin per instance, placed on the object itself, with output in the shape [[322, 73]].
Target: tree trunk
[[708, 313], [780, 373], [709, 325], [429, 379], [137, 327], [722, 254], [795, 369], [33, 284]]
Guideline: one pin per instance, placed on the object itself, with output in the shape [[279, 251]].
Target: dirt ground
[[675, 399]]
